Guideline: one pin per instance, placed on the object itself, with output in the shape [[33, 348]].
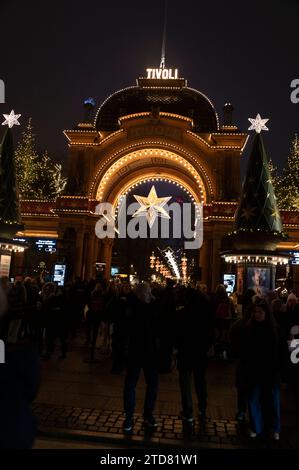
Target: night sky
[[55, 54]]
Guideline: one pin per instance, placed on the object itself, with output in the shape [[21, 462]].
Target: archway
[[180, 187], [119, 172]]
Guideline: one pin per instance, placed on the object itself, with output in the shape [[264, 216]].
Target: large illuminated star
[[258, 124], [151, 206], [11, 119]]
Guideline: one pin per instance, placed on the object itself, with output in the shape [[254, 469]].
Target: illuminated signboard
[[46, 245], [165, 74], [5, 265], [295, 260], [59, 274], [229, 281]]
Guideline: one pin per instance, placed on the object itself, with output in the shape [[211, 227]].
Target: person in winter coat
[[167, 309], [94, 318], [142, 354], [194, 337], [19, 381], [17, 302], [120, 310], [236, 338], [261, 355], [223, 311]]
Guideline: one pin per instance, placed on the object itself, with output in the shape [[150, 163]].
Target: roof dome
[[172, 99]]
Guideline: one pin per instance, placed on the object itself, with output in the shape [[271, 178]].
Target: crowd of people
[[150, 328]]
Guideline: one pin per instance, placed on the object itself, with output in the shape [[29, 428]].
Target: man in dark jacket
[[142, 353], [167, 310], [19, 381], [194, 337]]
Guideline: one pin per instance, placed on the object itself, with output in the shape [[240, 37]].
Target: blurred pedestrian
[[194, 337], [142, 354]]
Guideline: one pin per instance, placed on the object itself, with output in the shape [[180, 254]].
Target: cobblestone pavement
[[83, 401], [95, 425], [109, 423]]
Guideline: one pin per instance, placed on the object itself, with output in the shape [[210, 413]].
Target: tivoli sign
[[165, 74]]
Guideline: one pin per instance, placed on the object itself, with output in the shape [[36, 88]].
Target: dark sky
[[55, 54]]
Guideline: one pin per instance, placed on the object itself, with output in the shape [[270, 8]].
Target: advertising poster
[[259, 280], [59, 274], [5, 265], [229, 281]]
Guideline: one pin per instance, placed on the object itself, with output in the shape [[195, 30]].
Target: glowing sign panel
[[165, 74]]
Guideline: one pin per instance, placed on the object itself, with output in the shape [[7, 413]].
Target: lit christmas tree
[[257, 219], [38, 176], [257, 210], [10, 217], [49, 177], [287, 186], [26, 158]]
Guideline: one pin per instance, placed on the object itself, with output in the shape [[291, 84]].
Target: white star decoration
[[258, 124], [151, 206], [11, 119]]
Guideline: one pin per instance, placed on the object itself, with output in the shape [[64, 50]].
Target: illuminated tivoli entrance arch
[[118, 177], [162, 130]]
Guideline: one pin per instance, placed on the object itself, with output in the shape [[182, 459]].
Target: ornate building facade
[[160, 129]]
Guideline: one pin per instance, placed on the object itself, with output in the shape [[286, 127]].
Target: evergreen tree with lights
[[10, 216], [26, 158], [49, 178], [257, 210], [38, 176], [287, 186], [257, 219]]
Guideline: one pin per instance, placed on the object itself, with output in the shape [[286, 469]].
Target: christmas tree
[[258, 210], [274, 175], [10, 217], [38, 176], [26, 158], [50, 182], [287, 186]]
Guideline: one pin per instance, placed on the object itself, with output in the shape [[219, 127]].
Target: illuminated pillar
[[89, 257], [107, 255]]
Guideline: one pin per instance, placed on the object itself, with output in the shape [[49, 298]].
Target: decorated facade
[[159, 129]]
